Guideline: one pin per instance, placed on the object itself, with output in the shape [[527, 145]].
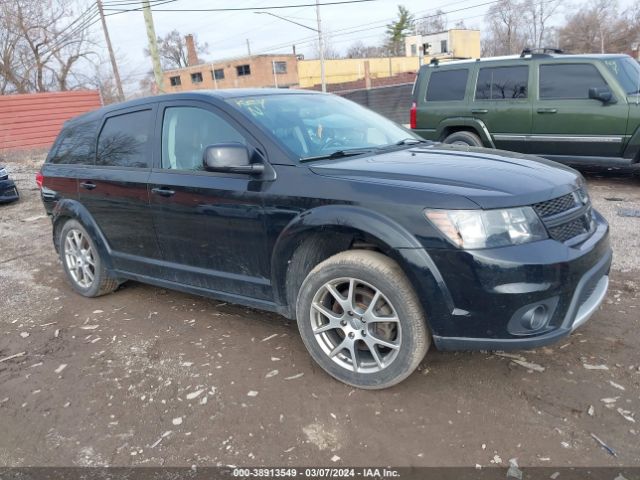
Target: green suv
[[576, 109]]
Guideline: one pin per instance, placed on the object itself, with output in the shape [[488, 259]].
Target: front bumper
[[8, 191], [491, 288]]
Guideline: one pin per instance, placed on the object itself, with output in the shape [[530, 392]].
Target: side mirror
[[601, 93], [230, 158]]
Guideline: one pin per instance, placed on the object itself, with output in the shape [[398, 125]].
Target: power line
[[238, 9]]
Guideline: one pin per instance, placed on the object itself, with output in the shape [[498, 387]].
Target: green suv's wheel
[[82, 263], [361, 320], [464, 138]]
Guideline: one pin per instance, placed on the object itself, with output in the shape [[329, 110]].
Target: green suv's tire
[[464, 138], [82, 263], [340, 327]]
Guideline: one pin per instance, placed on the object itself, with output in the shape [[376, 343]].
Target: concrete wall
[[261, 74], [34, 120], [350, 69], [461, 43]]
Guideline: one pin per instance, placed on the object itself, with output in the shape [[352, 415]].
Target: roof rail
[[434, 61], [543, 51]]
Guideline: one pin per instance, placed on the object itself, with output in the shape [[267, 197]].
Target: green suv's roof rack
[[545, 51]]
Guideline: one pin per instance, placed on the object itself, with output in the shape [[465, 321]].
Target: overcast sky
[[227, 32]]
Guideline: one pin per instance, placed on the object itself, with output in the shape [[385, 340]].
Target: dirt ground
[[153, 377]]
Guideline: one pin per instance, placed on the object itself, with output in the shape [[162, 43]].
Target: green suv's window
[[502, 83], [447, 85], [570, 81]]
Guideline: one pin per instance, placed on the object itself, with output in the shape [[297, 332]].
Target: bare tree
[[505, 29], [360, 50], [41, 49], [537, 14], [173, 50], [436, 22], [600, 27]]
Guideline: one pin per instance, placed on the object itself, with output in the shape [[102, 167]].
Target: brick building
[[252, 71]]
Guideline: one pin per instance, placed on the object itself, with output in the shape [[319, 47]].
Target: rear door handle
[[163, 192], [88, 185], [479, 110], [547, 110]]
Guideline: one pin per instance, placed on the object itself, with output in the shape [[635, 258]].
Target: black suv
[[378, 242]]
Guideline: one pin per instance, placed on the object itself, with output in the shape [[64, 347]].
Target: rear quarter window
[[76, 145], [447, 85]]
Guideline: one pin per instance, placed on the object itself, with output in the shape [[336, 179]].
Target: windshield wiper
[[339, 154], [411, 141]]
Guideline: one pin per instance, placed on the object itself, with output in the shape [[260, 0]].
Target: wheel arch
[[316, 235], [67, 209], [451, 125]]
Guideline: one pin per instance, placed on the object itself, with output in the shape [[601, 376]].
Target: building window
[[414, 49], [196, 77], [175, 81], [443, 46], [280, 67], [243, 70], [218, 74]]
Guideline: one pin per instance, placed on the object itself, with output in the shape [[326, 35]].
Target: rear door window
[[77, 145], [125, 140], [502, 83], [569, 81], [447, 85]]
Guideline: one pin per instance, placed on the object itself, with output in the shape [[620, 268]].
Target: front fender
[[69, 208], [401, 245]]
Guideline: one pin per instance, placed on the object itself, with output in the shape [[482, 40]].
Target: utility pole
[[153, 44], [248, 47], [321, 47], [114, 65]]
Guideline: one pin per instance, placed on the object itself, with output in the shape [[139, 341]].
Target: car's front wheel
[[82, 263], [361, 321]]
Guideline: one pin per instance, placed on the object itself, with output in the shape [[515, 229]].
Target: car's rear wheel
[[464, 137], [361, 320], [82, 263]]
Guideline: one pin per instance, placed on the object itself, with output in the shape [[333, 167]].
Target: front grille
[[555, 206], [571, 229], [552, 212]]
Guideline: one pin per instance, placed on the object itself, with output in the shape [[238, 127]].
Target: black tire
[[102, 283], [464, 137], [377, 272]]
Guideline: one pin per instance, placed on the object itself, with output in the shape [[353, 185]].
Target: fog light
[[536, 318]]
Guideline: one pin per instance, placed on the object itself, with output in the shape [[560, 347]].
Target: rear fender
[[466, 123], [69, 208]]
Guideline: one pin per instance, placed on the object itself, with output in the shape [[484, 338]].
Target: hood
[[489, 178]]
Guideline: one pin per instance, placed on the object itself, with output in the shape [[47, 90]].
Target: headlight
[[488, 228]]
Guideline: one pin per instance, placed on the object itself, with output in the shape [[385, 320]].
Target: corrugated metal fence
[[34, 120], [392, 102]]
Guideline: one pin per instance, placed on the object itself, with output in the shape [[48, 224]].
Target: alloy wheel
[[79, 257], [356, 325]]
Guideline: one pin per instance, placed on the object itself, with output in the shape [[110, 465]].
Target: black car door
[[210, 225], [115, 189]]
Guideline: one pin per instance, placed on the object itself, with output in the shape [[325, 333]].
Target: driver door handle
[[479, 110], [163, 191], [547, 110]]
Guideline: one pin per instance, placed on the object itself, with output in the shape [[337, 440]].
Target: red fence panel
[[34, 120]]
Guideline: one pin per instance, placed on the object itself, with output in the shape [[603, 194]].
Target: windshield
[[322, 125], [627, 71]]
